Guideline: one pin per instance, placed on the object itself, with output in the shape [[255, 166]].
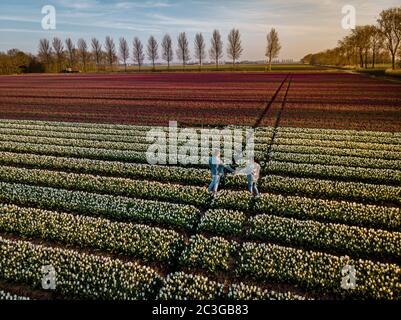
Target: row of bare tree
[[365, 44], [109, 54], [70, 55]]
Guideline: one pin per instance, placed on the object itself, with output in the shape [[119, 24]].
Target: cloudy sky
[[304, 26]]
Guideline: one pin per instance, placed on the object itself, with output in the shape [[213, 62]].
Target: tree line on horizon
[[60, 56], [366, 45]]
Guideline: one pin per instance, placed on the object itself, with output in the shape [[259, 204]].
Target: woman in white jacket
[[252, 171]]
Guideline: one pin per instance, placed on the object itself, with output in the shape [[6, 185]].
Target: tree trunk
[[373, 58], [393, 60]]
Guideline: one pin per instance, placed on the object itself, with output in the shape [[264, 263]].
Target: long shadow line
[[269, 104]]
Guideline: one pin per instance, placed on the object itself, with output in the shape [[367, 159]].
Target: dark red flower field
[[327, 100]]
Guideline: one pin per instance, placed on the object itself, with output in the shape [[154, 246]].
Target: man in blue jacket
[[216, 170]]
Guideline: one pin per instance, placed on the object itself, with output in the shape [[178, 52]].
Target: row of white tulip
[[141, 145], [5, 295], [92, 204], [332, 189], [123, 136], [322, 131], [139, 241], [72, 135], [98, 153], [336, 160], [187, 286], [109, 168], [339, 144], [272, 183], [77, 127], [77, 275], [350, 213], [379, 176], [207, 253], [296, 130], [243, 291], [223, 222], [110, 185], [334, 151], [340, 136], [184, 286], [319, 271], [355, 241]]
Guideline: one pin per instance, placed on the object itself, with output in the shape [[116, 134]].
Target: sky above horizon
[[304, 26]]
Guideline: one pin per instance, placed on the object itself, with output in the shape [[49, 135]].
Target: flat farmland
[[77, 191]]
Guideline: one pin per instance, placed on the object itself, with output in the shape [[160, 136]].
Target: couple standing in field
[[218, 169]]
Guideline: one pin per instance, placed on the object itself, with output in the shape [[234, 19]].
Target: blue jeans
[[213, 186], [252, 186]]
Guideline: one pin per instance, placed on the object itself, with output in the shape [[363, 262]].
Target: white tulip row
[[332, 189], [350, 213], [321, 131], [140, 241], [336, 160], [4, 295], [212, 254], [340, 136], [243, 291], [108, 168], [78, 275], [339, 144], [83, 142], [383, 176], [113, 207], [356, 241], [110, 185], [357, 191], [319, 271], [91, 153], [334, 151], [223, 222], [184, 286]]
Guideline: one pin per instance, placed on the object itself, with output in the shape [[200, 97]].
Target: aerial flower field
[[77, 192]]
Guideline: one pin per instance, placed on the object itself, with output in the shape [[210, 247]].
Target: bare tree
[[216, 49], [200, 49], [70, 51], [273, 46], [376, 40], [138, 54], [234, 49], [59, 51], [124, 52], [167, 50], [390, 26], [97, 51], [83, 52], [45, 52], [183, 49], [152, 50], [110, 48]]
